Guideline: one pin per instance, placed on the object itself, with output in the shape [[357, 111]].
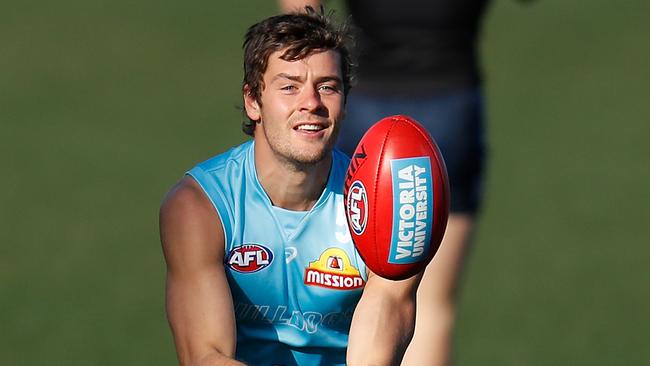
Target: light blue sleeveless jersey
[[295, 277]]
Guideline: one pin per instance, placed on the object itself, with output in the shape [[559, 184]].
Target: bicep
[[198, 299], [200, 313]]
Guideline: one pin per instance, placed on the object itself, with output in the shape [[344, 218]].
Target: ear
[[250, 103]]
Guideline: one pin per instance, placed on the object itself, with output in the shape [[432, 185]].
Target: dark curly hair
[[299, 34]]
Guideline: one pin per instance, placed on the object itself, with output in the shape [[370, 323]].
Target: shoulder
[[221, 175], [186, 198], [233, 157], [189, 222]]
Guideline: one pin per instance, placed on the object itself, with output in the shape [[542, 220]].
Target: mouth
[[310, 127]]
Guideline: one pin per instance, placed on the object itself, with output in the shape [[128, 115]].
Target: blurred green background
[[104, 105]]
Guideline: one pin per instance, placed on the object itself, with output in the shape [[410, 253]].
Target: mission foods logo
[[412, 210], [249, 258], [357, 203], [333, 270]]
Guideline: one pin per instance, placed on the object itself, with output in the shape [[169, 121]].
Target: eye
[[328, 89], [288, 87]]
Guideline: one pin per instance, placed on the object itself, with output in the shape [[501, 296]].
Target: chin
[[311, 157], [312, 154]]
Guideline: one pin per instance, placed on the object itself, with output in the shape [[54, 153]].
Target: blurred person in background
[[420, 58]]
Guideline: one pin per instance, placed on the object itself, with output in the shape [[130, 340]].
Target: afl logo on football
[[249, 258], [357, 204]]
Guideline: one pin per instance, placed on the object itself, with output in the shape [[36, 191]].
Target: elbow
[[212, 356]]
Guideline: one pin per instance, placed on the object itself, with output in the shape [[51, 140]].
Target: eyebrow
[[296, 78]]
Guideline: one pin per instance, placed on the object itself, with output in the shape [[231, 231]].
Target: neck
[[291, 185]]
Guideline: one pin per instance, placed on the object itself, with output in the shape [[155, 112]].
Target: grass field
[[103, 105]]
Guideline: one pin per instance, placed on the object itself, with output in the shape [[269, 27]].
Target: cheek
[[276, 106], [336, 106]]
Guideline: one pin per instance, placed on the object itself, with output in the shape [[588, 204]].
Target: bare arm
[[383, 322], [292, 5], [199, 303]]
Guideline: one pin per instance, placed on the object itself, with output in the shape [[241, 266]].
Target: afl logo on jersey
[[357, 202], [249, 258]]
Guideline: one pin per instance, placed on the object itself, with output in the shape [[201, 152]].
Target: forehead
[[317, 63]]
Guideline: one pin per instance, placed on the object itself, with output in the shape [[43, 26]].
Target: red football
[[397, 197]]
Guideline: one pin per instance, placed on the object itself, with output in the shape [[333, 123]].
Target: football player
[[261, 269]]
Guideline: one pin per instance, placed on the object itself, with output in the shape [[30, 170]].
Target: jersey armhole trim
[[220, 205]]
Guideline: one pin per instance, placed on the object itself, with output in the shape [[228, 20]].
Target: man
[[261, 267], [420, 58]]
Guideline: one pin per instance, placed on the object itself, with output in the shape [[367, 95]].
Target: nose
[[311, 100]]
